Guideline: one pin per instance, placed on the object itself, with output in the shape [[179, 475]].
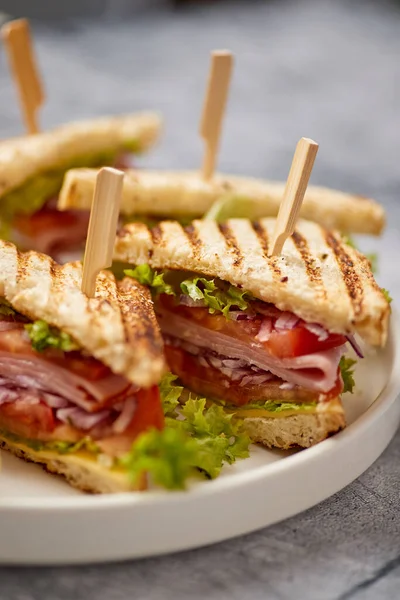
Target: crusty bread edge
[[302, 431], [167, 193], [85, 474]]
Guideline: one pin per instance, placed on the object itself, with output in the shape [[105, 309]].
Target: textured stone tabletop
[[327, 70]]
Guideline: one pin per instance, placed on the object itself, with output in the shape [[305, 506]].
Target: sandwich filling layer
[[230, 347], [31, 218], [55, 397]]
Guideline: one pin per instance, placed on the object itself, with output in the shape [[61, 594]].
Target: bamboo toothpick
[[296, 185], [18, 43], [102, 227], [214, 107]]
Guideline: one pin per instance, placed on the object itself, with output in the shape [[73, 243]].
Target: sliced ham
[[35, 372], [316, 372]]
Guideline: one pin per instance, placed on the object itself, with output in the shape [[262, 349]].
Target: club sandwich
[[184, 196], [78, 375], [32, 170], [265, 337]]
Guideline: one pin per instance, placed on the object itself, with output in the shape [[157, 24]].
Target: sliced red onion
[[7, 395], [286, 321], [354, 345], [240, 315], [188, 301], [215, 362], [265, 330], [227, 372], [124, 419], [286, 386], [232, 363], [317, 330], [54, 401], [237, 374], [80, 418], [255, 379]]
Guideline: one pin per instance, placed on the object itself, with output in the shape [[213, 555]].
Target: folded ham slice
[[317, 372]]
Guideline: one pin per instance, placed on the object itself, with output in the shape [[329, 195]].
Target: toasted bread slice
[[25, 157], [117, 326], [318, 277], [82, 471], [299, 430], [177, 194]]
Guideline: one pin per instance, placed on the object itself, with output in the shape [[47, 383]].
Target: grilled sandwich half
[[264, 336], [185, 196], [32, 170], [78, 376]]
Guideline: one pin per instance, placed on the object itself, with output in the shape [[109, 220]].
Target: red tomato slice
[[283, 343], [149, 414], [47, 219], [288, 343], [211, 383], [27, 419]]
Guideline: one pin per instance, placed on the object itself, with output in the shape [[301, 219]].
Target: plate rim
[[382, 403]]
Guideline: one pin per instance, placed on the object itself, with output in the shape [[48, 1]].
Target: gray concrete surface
[[327, 70]]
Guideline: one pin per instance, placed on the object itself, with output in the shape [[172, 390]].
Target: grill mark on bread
[[312, 269], [156, 235], [23, 267], [261, 235], [263, 240], [350, 277], [137, 314], [195, 242], [231, 243]]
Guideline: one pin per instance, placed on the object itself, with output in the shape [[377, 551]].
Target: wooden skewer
[[296, 185], [102, 227], [214, 107], [18, 43]]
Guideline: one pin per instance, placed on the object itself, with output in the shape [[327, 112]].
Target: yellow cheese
[[266, 414], [333, 405]]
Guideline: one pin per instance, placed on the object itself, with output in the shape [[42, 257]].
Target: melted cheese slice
[[332, 406], [85, 463]]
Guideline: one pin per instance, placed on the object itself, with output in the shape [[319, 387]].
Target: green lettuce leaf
[[170, 393], [231, 207], [43, 336], [195, 439], [387, 295], [6, 309], [153, 279], [217, 296], [373, 261], [277, 406], [85, 443], [372, 256], [168, 456], [59, 446], [346, 368], [216, 426]]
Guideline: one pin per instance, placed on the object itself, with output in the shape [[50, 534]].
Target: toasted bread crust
[[318, 277], [175, 194], [25, 157], [303, 430], [83, 474], [117, 326]]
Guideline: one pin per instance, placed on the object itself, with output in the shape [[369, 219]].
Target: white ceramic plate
[[46, 522]]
